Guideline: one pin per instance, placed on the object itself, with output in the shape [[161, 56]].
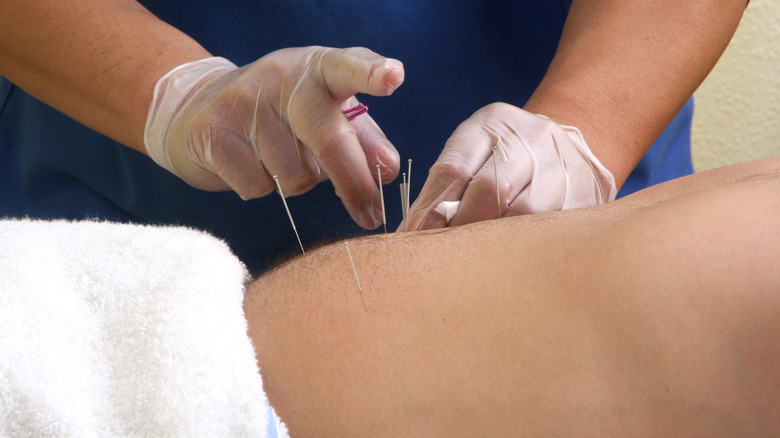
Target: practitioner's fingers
[[465, 152], [376, 147], [505, 173], [321, 125], [347, 72], [286, 156]]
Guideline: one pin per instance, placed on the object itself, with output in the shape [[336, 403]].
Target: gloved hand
[[221, 127], [542, 166]]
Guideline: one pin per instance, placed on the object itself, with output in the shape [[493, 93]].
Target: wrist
[[618, 154], [169, 95]]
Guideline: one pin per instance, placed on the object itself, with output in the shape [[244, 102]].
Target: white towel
[[123, 330]]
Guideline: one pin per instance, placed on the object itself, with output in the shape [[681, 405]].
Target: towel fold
[[123, 330]]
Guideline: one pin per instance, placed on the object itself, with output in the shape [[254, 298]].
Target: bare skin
[[95, 60], [624, 69], [656, 315]]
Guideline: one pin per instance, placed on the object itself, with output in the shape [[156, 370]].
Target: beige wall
[[737, 115]]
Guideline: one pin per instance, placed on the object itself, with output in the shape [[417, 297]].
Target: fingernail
[[394, 75], [388, 163]]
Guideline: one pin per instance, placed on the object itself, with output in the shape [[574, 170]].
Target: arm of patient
[[655, 314]]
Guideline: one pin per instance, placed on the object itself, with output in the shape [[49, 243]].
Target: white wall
[[737, 115]]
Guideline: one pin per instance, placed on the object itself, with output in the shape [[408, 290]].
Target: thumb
[[347, 72]]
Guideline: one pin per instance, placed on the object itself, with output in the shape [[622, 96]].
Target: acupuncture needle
[[408, 186], [284, 201], [360, 290], [382, 197], [495, 170], [404, 191]]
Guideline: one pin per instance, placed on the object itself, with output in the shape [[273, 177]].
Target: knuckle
[[485, 188], [301, 182], [328, 139], [254, 187], [286, 63], [356, 52], [495, 110], [482, 189], [451, 171], [360, 51], [358, 195], [273, 65]]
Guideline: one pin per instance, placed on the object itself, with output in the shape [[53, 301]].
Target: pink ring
[[355, 111]]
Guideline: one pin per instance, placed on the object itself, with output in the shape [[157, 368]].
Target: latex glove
[[221, 127], [542, 166]]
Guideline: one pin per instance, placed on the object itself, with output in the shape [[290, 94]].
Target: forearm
[[624, 69], [95, 60]]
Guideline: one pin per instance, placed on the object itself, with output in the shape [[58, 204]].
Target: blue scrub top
[[458, 56]]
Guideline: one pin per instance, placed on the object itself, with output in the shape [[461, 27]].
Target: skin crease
[[655, 315]]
